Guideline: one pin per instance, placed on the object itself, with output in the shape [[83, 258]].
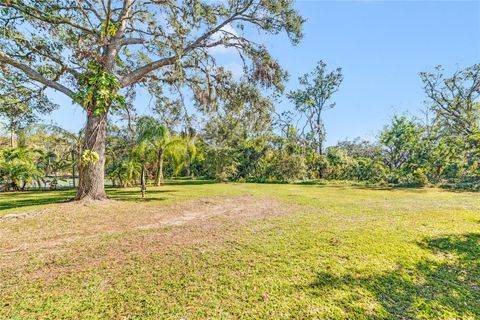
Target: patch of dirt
[[22, 215], [139, 217], [201, 210], [76, 236]]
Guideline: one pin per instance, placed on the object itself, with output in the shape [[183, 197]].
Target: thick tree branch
[[123, 18], [116, 43], [130, 41], [139, 73], [36, 76]]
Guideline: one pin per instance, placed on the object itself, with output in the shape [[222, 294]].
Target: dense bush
[[289, 167]]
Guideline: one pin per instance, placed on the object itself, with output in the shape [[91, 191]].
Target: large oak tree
[[97, 51]]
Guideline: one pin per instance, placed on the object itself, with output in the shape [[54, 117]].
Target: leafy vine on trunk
[[100, 90]]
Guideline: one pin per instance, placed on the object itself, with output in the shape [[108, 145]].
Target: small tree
[[140, 155], [318, 89], [125, 172]]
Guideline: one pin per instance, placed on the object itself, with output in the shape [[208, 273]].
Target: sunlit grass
[[343, 252]]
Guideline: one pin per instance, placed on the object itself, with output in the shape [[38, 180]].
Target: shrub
[[419, 177], [289, 167]]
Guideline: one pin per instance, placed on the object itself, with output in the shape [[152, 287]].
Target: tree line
[[102, 54], [246, 140]]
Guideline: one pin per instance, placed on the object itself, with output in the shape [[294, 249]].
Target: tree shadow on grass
[[346, 186], [465, 190], [140, 199], [447, 287], [188, 182], [23, 199], [408, 188], [374, 187], [11, 200], [135, 195]]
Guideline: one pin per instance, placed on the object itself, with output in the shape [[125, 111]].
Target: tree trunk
[[159, 173], [92, 181], [161, 170], [12, 139], [320, 139], [188, 164], [73, 166], [143, 183]]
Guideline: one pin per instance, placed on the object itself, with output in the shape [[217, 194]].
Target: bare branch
[[37, 14]]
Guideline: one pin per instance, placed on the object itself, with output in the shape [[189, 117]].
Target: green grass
[[343, 252]]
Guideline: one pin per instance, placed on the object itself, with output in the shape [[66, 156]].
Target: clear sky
[[381, 46]]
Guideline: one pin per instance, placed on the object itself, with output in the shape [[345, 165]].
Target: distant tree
[[244, 113], [157, 137], [455, 100], [289, 167], [95, 51], [406, 151], [140, 155], [19, 103], [358, 148], [191, 152], [125, 172], [399, 141], [120, 165], [236, 133], [57, 150], [314, 98]]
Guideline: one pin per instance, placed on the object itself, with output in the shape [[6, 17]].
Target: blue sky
[[381, 46]]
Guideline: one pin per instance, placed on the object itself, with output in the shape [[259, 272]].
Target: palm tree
[[57, 156], [125, 171], [17, 168], [139, 156], [46, 161], [157, 137], [191, 154]]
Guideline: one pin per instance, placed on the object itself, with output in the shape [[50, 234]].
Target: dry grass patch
[[71, 236]]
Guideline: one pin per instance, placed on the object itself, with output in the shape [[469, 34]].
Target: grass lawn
[[241, 251]]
